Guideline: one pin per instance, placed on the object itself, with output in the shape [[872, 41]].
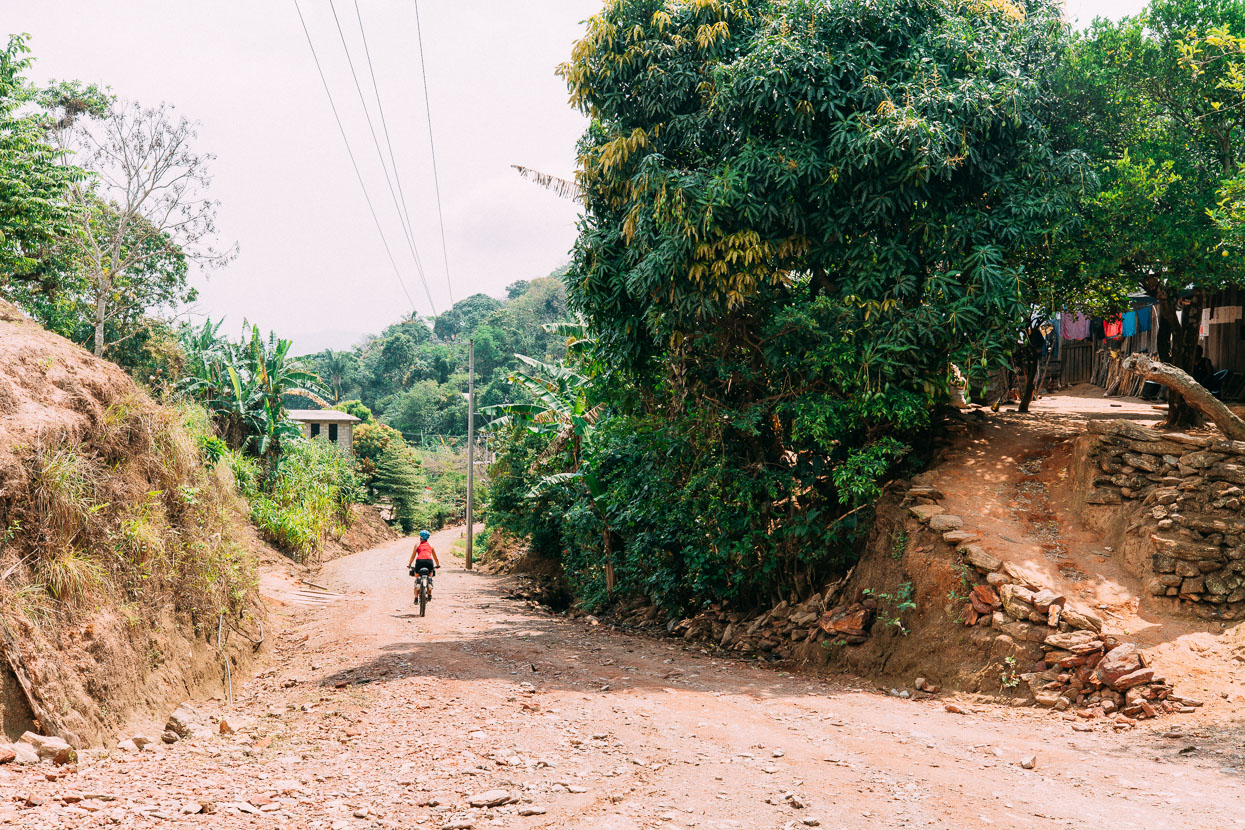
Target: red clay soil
[[367, 530], [1012, 483], [88, 667], [372, 717]]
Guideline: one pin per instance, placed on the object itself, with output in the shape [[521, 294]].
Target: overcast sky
[[311, 264]]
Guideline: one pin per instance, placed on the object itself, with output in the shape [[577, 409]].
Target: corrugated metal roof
[[322, 415]]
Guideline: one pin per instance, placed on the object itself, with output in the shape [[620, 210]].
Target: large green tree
[[34, 211], [798, 216], [140, 297]]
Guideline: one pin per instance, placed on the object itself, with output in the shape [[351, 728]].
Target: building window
[[315, 430], [333, 433]]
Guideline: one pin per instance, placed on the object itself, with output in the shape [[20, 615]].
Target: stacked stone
[[1075, 665], [1192, 487], [1094, 671], [773, 633]]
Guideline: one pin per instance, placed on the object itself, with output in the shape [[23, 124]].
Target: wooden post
[[471, 440]]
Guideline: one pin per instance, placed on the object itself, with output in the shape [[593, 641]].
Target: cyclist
[[423, 556]]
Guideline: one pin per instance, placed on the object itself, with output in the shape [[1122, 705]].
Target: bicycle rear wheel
[[423, 596]]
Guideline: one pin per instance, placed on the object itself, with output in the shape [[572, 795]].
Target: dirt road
[[373, 717]]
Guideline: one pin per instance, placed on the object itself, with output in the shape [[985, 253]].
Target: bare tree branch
[[147, 199], [1193, 392]]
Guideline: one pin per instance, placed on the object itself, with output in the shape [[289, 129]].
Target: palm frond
[[564, 188], [550, 482]]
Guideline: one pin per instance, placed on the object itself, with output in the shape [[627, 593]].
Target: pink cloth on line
[[1074, 326]]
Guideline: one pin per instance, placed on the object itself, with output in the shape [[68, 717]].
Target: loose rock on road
[[491, 713]]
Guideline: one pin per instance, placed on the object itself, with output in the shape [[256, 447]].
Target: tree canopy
[[34, 211], [885, 156], [799, 216], [1157, 100]]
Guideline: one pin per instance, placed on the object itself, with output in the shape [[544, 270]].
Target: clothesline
[[1074, 326]]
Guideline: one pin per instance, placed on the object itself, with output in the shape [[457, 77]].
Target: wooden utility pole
[[471, 439]]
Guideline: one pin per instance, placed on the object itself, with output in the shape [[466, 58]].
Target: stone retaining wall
[[1190, 488]]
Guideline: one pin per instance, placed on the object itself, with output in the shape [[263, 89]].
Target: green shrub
[[246, 473], [307, 494], [356, 408], [371, 440]]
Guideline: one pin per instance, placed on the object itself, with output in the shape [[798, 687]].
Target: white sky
[[311, 264]]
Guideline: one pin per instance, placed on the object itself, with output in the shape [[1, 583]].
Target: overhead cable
[[384, 123], [436, 182], [396, 271], [410, 239]]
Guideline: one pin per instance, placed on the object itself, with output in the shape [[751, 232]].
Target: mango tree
[[798, 216]]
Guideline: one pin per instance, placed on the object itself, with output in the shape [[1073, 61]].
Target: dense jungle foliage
[[414, 377], [799, 216]]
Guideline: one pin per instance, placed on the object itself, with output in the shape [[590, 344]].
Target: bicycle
[[423, 584]]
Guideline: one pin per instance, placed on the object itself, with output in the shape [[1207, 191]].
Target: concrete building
[[329, 424]]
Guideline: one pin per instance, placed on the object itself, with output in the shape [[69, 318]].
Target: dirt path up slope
[[1011, 484], [376, 718]]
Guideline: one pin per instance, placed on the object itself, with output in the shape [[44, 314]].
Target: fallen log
[[1194, 393]]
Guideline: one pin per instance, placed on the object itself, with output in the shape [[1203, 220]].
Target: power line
[[410, 239], [397, 273], [384, 123], [436, 183]]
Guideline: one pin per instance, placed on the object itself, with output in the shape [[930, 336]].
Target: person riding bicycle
[[423, 556]]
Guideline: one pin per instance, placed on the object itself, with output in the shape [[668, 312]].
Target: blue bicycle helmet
[[424, 534]]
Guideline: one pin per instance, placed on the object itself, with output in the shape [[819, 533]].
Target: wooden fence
[[1076, 362]]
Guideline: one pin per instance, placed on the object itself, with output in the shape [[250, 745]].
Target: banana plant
[[243, 385], [561, 409]]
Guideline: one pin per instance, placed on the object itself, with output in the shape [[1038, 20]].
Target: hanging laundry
[[1113, 326], [1129, 327], [1074, 326], [1145, 318]]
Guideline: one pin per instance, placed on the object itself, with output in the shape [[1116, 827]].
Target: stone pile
[[772, 634], [1100, 675], [32, 748], [1073, 664], [1193, 488]]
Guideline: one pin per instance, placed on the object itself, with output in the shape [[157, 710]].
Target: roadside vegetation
[[133, 513], [774, 316], [807, 226]]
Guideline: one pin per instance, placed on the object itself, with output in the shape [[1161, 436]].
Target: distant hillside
[[413, 374]]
